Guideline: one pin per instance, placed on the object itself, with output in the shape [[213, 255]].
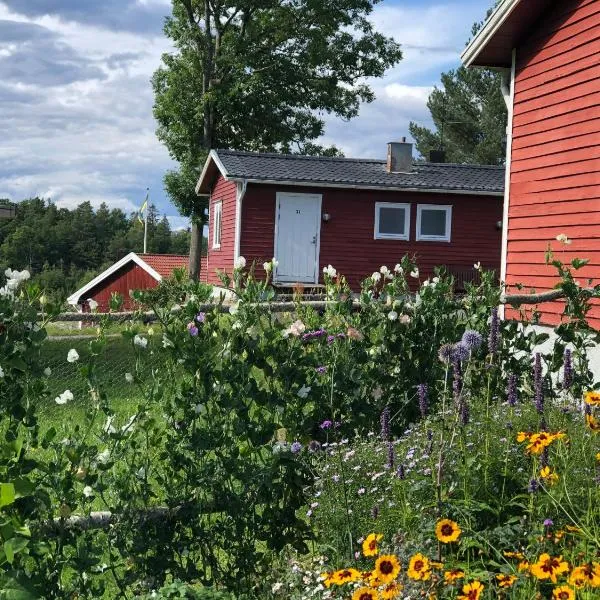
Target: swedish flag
[[143, 208]]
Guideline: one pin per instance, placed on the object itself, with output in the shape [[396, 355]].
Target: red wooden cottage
[[132, 272], [355, 214], [549, 52]]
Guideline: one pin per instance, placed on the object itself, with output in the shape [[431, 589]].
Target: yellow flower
[[386, 569], [365, 593], [548, 475], [598, 457], [592, 398], [563, 592], [518, 555], [452, 575], [436, 565], [345, 576], [541, 440], [471, 591], [592, 423], [572, 529], [370, 545], [327, 579], [588, 574], [523, 566], [419, 568], [505, 581], [391, 590], [549, 567], [522, 436], [447, 531]]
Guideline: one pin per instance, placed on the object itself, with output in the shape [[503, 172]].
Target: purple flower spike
[[512, 394], [330, 339], [567, 370], [423, 399], [401, 472], [464, 412], [326, 424], [494, 335], [391, 457], [384, 419], [533, 486]]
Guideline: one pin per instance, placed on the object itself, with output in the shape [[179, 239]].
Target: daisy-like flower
[[453, 575], [563, 592], [392, 315], [72, 355], [588, 574], [592, 398], [327, 579], [386, 569], [505, 580], [471, 591], [548, 475], [592, 423], [370, 544], [366, 593], [549, 567], [523, 566], [447, 531], [419, 568], [345, 576], [391, 591]]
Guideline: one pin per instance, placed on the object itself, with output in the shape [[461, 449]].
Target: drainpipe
[[241, 192], [505, 82]]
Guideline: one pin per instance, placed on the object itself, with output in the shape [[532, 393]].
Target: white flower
[[404, 319], [129, 425], [398, 268], [92, 304], [72, 355], [140, 341], [47, 371], [1, 372], [234, 308], [240, 262], [563, 239], [128, 377], [88, 491], [103, 457], [426, 283], [198, 408], [267, 266], [274, 262], [303, 391], [24, 275], [392, 315], [276, 587], [435, 280], [414, 273], [63, 398], [166, 342], [384, 270], [329, 270], [150, 331], [297, 328], [477, 266], [376, 277], [108, 426]]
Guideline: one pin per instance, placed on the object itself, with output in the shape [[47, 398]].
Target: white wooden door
[[297, 231]]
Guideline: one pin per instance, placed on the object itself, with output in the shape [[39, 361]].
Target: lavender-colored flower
[[321, 370], [512, 394], [567, 370], [192, 329], [375, 511], [533, 486], [464, 412], [391, 456], [384, 419], [548, 522], [201, 317], [313, 334], [401, 472], [472, 339], [314, 446], [423, 399], [460, 351], [330, 339], [296, 447], [445, 353], [327, 424], [538, 383], [494, 335], [456, 380]]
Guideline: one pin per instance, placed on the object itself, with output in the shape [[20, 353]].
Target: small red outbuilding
[[355, 214], [132, 272]]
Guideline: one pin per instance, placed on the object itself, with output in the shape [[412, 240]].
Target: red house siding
[[347, 240], [555, 167], [221, 258], [129, 277]]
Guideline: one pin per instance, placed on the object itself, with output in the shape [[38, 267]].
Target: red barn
[[132, 272], [549, 52], [355, 214]]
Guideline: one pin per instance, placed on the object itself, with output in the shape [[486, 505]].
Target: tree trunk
[[195, 249]]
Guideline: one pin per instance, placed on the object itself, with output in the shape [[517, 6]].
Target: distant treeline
[[64, 249]]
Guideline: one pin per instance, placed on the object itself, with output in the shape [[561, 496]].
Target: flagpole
[[146, 221]]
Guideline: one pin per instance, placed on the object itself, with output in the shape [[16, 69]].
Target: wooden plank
[[567, 131], [589, 192], [550, 233], [538, 169], [547, 112], [556, 207], [553, 220], [557, 184]]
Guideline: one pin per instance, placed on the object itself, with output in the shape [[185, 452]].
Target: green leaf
[[577, 263], [7, 494], [16, 587]]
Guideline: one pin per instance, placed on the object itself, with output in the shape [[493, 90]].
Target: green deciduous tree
[[260, 75]]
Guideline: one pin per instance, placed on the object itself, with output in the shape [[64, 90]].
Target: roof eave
[[212, 164], [491, 27]]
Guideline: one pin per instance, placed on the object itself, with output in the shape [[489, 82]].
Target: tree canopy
[[261, 75]]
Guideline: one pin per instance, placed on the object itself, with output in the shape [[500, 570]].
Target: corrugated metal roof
[[357, 172]]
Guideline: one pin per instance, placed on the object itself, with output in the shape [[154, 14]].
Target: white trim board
[[392, 236], [74, 299], [447, 208]]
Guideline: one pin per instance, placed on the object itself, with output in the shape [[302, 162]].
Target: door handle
[[314, 240]]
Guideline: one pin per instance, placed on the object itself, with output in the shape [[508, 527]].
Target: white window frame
[[217, 215], [393, 236], [447, 208]]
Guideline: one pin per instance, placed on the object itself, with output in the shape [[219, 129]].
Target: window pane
[[433, 222], [392, 220]]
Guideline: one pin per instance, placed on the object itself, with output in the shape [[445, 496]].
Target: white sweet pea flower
[[477, 266], [329, 270], [92, 304], [240, 263], [404, 319], [376, 277], [128, 377], [296, 329], [24, 275], [415, 273], [398, 269], [384, 270], [435, 280], [303, 391], [72, 355], [563, 239], [234, 308], [392, 315], [267, 266], [140, 341], [426, 283], [88, 491], [63, 398]]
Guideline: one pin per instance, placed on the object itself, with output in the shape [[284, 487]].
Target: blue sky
[[76, 102]]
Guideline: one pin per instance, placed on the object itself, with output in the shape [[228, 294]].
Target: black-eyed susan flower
[[548, 475], [505, 580], [386, 569], [447, 531], [563, 592], [453, 575], [549, 567], [366, 593], [391, 590], [327, 579], [509, 554], [592, 398], [419, 568], [345, 576], [471, 591], [588, 574], [370, 546], [592, 423]]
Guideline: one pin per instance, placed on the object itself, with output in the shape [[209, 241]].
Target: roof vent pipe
[[399, 157]]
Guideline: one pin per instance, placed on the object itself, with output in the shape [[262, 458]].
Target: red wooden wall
[[347, 240], [555, 170]]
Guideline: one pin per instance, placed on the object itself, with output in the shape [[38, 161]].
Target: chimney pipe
[[399, 157], [437, 156]]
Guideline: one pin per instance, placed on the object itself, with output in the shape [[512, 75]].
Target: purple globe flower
[[321, 370], [472, 339], [326, 424], [548, 523], [314, 446], [296, 447], [460, 351], [445, 353]]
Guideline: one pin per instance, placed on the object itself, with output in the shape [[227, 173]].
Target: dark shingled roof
[[359, 172]]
